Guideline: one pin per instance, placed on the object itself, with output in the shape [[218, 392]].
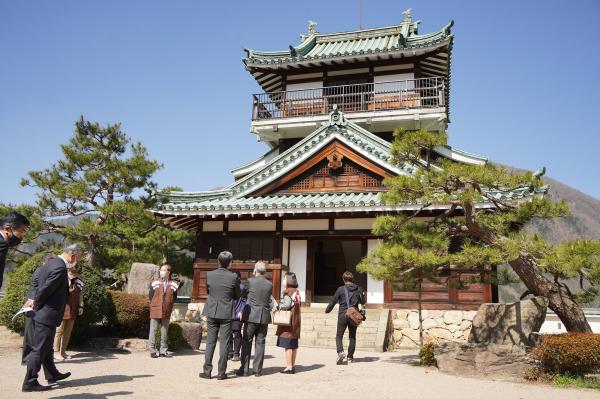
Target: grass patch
[[564, 381]]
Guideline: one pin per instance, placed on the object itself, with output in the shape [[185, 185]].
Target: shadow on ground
[[88, 357], [409, 359], [98, 380], [299, 369], [366, 359], [93, 395]]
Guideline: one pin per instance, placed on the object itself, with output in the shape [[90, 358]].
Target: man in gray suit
[[257, 316], [223, 289]]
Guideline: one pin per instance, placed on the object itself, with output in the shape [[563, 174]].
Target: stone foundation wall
[[438, 326]]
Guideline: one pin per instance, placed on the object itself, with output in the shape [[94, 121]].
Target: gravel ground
[[373, 375]]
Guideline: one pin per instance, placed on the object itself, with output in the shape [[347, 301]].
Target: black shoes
[[59, 377], [258, 374], [288, 371], [165, 355], [35, 387], [240, 373], [222, 377], [153, 355], [205, 376], [340, 358]]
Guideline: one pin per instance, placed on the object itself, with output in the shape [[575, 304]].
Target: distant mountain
[[584, 222]]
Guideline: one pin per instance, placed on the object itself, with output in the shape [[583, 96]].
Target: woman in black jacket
[[354, 295]]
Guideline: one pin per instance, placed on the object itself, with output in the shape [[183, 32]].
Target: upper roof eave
[[389, 39]]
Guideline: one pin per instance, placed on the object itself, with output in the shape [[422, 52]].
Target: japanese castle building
[[327, 115]]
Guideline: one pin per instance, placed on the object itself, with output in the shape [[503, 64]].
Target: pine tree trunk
[[559, 299], [420, 314], [91, 250]]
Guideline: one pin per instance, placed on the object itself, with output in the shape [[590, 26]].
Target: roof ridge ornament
[[407, 16], [336, 117], [312, 27], [312, 30]]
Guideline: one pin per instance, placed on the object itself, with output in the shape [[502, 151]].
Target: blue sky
[[525, 79]]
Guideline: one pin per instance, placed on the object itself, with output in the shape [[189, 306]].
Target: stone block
[[465, 325], [412, 334], [468, 315], [469, 359], [453, 317], [508, 324], [440, 334], [429, 323], [413, 320], [192, 334], [140, 278], [400, 324], [401, 314]]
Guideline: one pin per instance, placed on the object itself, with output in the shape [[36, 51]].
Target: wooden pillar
[[387, 292], [196, 280]]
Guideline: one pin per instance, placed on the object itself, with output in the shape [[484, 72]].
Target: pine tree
[[415, 250], [104, 185]]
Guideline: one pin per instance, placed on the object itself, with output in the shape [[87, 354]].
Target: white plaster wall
[[395, 86], [354, 224], [316, 92], [305, 224], [553, 325], [212, 226], [298, 255], [374, 287], [252, 225]]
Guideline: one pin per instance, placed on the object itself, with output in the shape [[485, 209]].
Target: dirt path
[[374, 376]]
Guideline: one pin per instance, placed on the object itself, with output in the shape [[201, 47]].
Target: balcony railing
[[362, 97]]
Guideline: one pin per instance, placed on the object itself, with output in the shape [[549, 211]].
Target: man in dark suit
[[12, 229], [28, 330], [49, 306], [257, 316], [223, 289]]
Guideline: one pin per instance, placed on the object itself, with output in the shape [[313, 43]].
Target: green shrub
[[536, 374], [426, 355], [16, 293], [577, 381], [174, 337], [571, 353], [98, 306], [132, 314]]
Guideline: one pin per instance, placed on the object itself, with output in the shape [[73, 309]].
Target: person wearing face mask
[[162, 294], [12, 229], [73, 308], [49, 305]]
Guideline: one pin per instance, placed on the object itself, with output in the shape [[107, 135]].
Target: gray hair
[[225, 259], [260, 268], [291, 281], [74, 249]]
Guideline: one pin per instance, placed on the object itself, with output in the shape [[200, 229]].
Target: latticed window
[[323, 178]]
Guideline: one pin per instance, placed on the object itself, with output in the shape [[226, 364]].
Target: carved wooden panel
[[334, 173]]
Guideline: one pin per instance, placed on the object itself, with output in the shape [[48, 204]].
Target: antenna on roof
[[360, 15]]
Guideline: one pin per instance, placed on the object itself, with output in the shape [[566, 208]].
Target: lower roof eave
[[303, 211]]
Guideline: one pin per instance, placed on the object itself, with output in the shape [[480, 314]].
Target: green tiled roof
[[236, 199], [305, 203], [315, 46]]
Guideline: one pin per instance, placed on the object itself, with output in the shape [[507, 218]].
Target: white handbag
[[282, 317]]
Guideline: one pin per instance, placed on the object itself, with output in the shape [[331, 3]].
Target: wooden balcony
[[364, 97], [202, 266]]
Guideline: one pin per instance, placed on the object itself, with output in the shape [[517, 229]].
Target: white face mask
[[163, 273]]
